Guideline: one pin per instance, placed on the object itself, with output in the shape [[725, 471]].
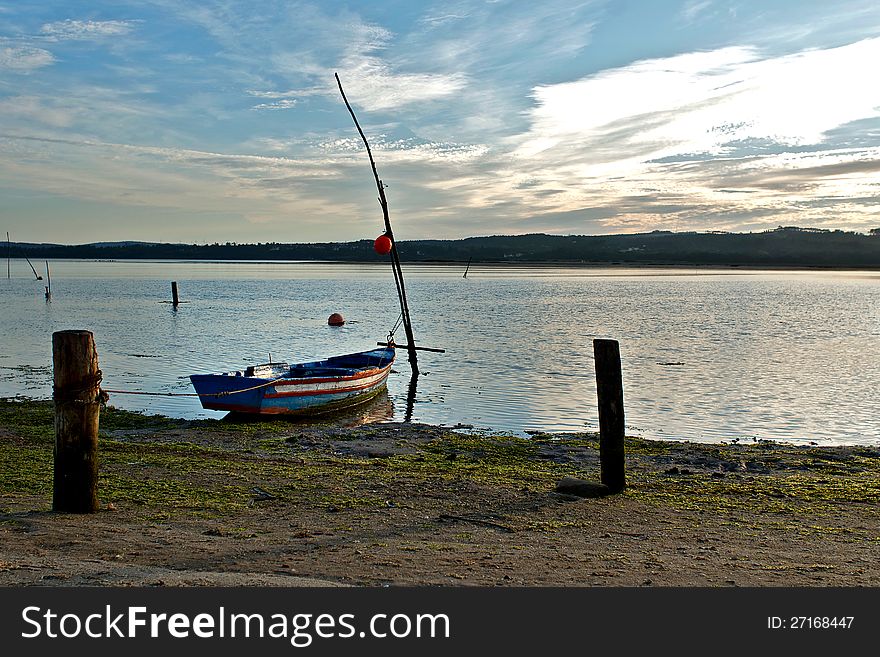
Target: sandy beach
[[288, 504]]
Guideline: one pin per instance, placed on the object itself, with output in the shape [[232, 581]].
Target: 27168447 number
[[810, 622]]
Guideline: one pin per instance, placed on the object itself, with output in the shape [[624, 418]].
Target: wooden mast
[[395, 257]]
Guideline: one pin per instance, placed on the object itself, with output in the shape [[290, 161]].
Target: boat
[[312, 388]]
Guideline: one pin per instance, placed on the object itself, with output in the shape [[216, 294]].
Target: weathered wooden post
[[77, 410], [609, 386], [175, 301]]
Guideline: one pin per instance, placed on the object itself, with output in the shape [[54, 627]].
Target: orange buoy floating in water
[[336, 320], [382, 245]]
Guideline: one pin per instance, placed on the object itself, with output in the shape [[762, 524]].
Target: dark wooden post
[[609, 386], [77, 410], [175, 301]]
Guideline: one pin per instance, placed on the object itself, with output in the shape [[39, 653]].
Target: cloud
[[24, 59], [698, 102], [277, 105], [479, 114], [86, 30], [34, 109], [485, 39], [688, 125], [436, 19], [281, 99], [300, 47], [411, 149], [693, 9], [268, 190], [372, 83], [273, 94]]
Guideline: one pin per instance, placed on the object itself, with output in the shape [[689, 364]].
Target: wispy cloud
[[485, 38], [24, 59], [265, 190], [277, 105], [504, 116], [622, 131], [287, 53], [375, 86], [704, 102], [273, 94], [409, 150], [86, 30], [693, 8], [438, 18], [372, 80], [35, 110]]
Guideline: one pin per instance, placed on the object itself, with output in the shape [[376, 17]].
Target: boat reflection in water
[[379, 408]]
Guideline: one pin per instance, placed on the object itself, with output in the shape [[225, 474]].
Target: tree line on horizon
[[786, 246]]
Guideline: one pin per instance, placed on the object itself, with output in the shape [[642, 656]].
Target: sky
[[220, 120]]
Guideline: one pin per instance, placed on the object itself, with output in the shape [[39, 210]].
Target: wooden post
[[77, 410], [175, 301], [609, 386]]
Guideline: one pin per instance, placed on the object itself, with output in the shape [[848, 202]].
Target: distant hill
[[784, 246], [104, 245]]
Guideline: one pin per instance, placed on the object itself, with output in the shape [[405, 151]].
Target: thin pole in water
[[34, 269], [8, 254], [395, 257]]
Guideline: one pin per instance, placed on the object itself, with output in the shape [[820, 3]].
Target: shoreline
[[500, 264], [275, 503]]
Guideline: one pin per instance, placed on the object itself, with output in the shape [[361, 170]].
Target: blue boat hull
[[302, 389]]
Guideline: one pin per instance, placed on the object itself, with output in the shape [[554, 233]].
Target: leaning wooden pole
[[33, 269], [77, 411], [395, 257]]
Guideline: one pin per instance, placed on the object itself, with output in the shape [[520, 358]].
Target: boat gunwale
[[360, 374], [382, 373]]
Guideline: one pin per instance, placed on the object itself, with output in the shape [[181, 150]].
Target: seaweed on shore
[[209, 468]]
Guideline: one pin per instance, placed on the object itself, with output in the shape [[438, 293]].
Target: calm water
[[708, 355]]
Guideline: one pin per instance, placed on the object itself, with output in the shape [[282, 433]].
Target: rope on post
[[78, 396]]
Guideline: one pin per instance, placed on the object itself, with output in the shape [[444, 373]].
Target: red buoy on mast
[[382, 245]]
